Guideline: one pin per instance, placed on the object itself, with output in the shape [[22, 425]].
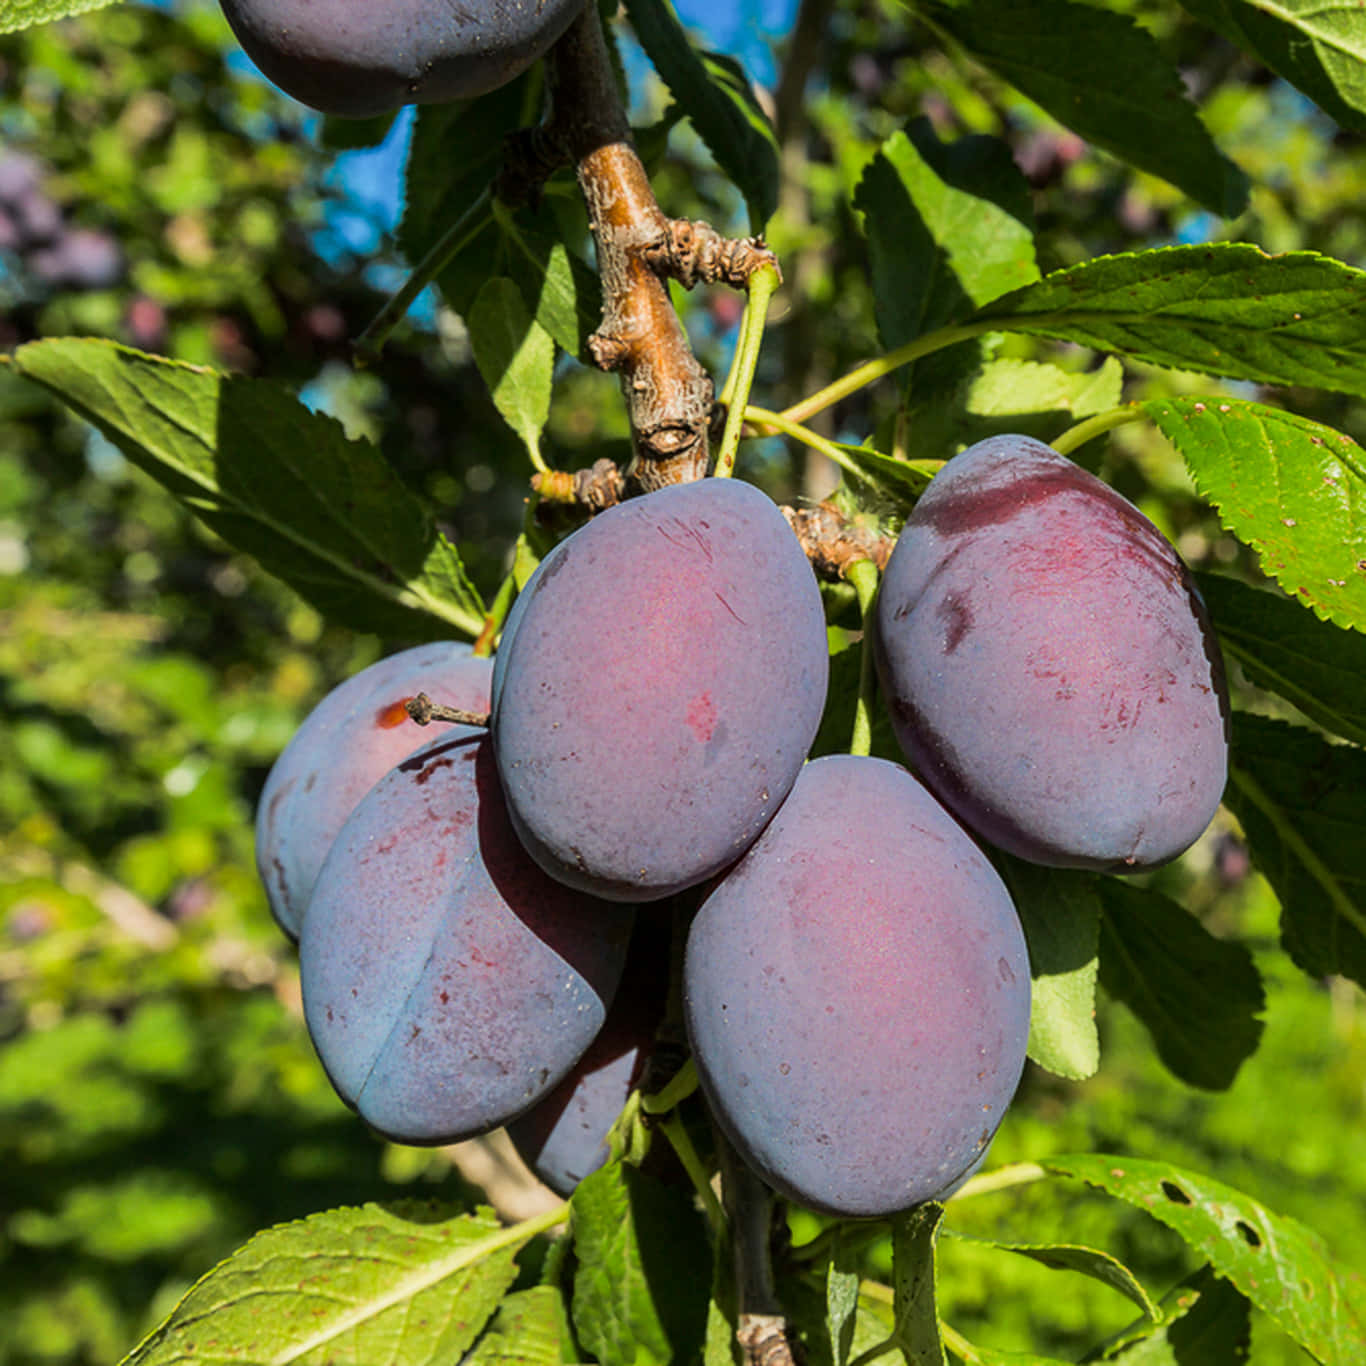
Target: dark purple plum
[[350, 740], [857, 994], [1049, 667], [658, 689], [448, 983], [81, 257], [358, 59], [564, 1137]]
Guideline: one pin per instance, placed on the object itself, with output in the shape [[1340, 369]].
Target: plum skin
[[658, 685], [350, 740], [358, 59], [448, 983], [857, 994], [1049, 667]]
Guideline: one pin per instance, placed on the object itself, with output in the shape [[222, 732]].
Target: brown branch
[[832, 542], [667, 392]]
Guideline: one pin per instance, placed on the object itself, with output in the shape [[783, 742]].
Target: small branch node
[[424, 711], [832, 542], [600, 486], [766, 1340], [691, 251]]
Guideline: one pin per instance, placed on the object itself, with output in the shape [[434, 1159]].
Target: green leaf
[[1060, 912], [516, 357], [1292, 489], [1222, 309], [643, 1281], [841, 1302], [1086, 1261], [1290, 652], [1211, 1327], [715, 94], [1319, 48], [558, 286], [1106, 79], [327, 515], [1275, 1261], [948, 229], [914, 1238], [455, 152], [19, 14], [530, 1328], [1198, 996], [1302, 806], [411, 1283]]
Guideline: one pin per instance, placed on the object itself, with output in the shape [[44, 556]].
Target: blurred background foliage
[[158, 1098]]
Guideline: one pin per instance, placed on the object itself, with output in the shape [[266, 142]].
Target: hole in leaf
[[1249, 1234], [1175, 1194]]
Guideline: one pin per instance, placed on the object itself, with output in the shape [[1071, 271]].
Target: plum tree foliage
[[753, 763]]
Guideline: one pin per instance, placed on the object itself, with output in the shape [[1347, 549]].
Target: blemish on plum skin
[[701, 716], [392, 714]]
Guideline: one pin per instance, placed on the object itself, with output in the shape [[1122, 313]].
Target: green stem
[[673, 1129], [881, 366], [864, 576], [680, 1087], [1003, 1178], [958, 1344], [1075, 437], [453, 241], [780, 422], [496, 616], [848, 1237], [740, 381]]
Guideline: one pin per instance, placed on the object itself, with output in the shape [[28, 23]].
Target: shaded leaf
[[841, 1302], [1274, 1260], [714, 92], [1223, 309], [1060, 912], [642, 1286], [1066, 57], [1211, 1326], [559, 287], [1302, 806], [1198, 996], [326, 514], [914, 1238], [1086, 1261], [1292, 653], [379, 1283], [1319, 48]]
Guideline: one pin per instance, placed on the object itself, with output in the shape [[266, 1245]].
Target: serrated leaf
[[379, 1283], [1086, 1261], [326, 514], [21, 14], [1292, 489], [948, 229], [914, 1254], [455, 152], [1222, 309], [1291, 652], [1214, 1329], [714, 92], [1107, 80], [1198, 996], [841, 1302], [1280, 1265], [531, 1328], [1302, 805], [638, 1294], [516, 357], [1319, 48], [1060, 912]]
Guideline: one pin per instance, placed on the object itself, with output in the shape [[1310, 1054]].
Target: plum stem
[[672, 1127], [1003, 1178], [1076, 437], [864, 576], [424, 711], [735, 395], [679, 1088]]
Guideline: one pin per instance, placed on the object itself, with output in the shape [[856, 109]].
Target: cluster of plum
[[33, 226], [856, 986]]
